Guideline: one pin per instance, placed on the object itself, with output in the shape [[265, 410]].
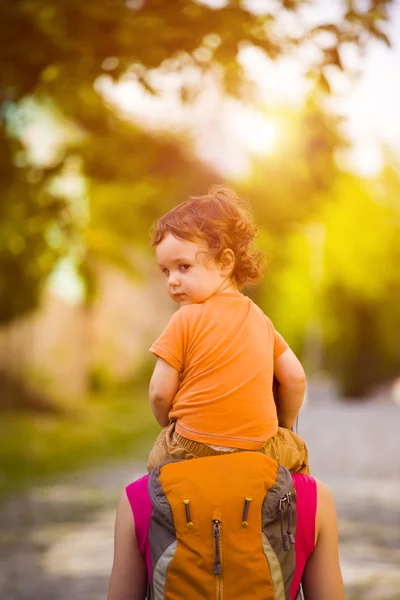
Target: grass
[[35, 447]]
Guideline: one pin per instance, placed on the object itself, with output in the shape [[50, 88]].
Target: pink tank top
[[141, 508], [306, 503], [306, 510]]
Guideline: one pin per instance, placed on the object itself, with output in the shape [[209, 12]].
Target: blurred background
[[111, 113]]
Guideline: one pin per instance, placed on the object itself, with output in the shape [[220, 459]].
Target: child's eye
[[184, 268], [165, 272]]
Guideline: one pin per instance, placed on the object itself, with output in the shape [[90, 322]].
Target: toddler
[[211, 389]]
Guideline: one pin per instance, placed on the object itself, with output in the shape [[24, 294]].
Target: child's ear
[[227, 261]]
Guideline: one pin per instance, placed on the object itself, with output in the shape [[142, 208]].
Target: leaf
[[319, 79], [323, 83], [379, 3], [332, 57], [380, 35], [352, 15], [147, 86], [377, 13], [329, 27]]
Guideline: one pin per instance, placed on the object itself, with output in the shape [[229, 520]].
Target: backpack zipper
[[246, 511], [217, 557], [189, 522], [288, 536], [289, 529], [217, 537]]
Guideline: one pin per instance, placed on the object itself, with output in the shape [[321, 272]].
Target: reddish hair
[[223, 221]]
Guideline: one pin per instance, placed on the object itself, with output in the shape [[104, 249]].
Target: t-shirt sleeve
[[172, 343], [279, 345]]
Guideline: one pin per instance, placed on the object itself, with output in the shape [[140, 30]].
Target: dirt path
[[355, 450], [56, 541]]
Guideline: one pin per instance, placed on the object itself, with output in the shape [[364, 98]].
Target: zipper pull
[[289, 529], [189, 522], [246, 511], [217, 534], [285, 541]]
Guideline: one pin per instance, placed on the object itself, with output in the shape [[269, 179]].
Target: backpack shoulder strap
[[139, 500], [306, 504]]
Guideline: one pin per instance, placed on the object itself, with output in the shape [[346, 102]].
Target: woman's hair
[[222, 220]]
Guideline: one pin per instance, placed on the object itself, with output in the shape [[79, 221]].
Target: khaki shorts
[[287, 448]]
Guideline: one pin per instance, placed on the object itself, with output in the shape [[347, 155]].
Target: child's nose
[[173, 279]]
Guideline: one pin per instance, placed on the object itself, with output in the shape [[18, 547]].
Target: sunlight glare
[[255, 133]]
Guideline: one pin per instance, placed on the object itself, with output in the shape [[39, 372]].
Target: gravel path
[[56, 542]]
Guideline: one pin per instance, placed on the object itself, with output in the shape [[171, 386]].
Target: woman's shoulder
[[326, 510], [323, 490], [317, 493]]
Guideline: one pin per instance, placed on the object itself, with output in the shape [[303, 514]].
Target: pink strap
[[306, 510], [138, 496]]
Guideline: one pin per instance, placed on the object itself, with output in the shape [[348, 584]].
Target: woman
[[317, 560]]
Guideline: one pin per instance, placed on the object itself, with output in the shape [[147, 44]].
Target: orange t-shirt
[[224, 349]]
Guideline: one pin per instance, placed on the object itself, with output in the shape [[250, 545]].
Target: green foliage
[[35, 448], [74, 42], [127, 206], [35, 227], [360, 305], [286, 191], [340, 275]]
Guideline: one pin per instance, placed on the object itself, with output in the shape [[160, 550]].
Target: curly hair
[[222, 220]]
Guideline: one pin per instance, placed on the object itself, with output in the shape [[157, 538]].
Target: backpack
[[222, 527]]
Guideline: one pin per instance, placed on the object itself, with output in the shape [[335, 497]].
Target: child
[[211, 389]]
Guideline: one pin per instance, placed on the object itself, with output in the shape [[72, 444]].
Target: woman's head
[[221, 225]]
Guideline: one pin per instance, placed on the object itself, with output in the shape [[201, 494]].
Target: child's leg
[[167, 447], [289, 450]]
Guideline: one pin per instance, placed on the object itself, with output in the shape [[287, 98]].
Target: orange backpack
[[222, 528]]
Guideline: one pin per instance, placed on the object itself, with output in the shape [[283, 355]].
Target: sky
[[371, 108]]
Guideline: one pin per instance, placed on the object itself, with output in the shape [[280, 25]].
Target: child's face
[[191, 274]]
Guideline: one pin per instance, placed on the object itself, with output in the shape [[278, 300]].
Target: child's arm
[[292, 385], [164, 384]]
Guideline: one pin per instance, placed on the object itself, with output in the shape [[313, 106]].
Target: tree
[[355, 301], [360, 308], [56, 50]]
